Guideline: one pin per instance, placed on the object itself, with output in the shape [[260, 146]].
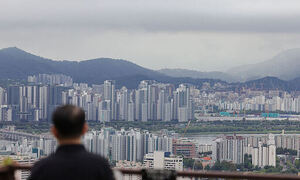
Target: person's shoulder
[[39, 167], [94, 158], [101, 166], [43, 162]]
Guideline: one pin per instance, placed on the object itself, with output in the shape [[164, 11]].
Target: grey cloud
[[175, 15], [194, 34]]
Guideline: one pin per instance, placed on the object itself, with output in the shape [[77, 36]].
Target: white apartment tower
[[265, 154]]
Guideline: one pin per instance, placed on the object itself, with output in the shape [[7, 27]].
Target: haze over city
[[198, 35], [137, 89]]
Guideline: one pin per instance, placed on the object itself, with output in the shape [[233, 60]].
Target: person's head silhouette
[[68, 124]]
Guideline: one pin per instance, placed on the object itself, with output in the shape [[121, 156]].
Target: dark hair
[[68, 120]]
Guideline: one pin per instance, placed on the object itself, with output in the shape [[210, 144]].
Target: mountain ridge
[[284, 65], [18, 64], [178, 72]]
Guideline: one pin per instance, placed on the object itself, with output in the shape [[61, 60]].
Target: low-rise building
[[202, 148], [124, 164], [163, 160], [184, 147]]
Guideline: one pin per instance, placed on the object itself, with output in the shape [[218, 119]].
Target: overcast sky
[[201, 35]]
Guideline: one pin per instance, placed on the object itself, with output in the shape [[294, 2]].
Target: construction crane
[[187, 126]]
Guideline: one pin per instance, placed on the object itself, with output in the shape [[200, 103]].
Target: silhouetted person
[[70, 161]]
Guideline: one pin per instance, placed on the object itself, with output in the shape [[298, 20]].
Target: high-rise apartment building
[[130, 112], [265, 154], [183, 103], [229, 148], [2, 96], [109, 94], [123, 104]]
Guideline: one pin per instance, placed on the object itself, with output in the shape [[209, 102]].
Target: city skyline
[[139, 89], [156, 125], [136, 148], [150, 101]]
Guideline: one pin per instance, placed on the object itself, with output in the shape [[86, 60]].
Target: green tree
[[297, 163], [198, 166], [248, 162], [217, 166], [224, 165], [188, 163], [192, 164], [207, 167]]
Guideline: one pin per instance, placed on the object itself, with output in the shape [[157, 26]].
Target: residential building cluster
[[229, 148], [51, 79], [131, 145], [248, 100], [29, 102], [25, 147], [124, 148], [135, 148], [285, 141], [261, 148], [151, 101]]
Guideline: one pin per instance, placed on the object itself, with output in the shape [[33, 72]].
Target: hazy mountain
[[198, 74], [266, 83], [285, 66], [18, 64]]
